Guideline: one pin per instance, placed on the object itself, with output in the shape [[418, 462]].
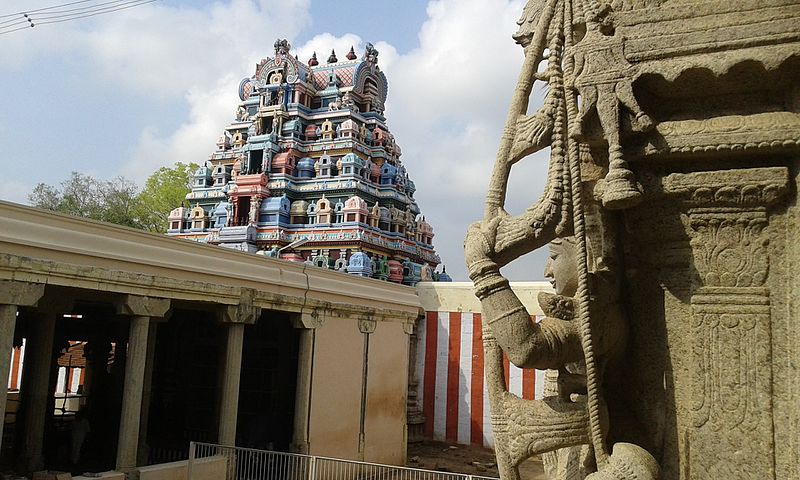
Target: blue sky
[[125, 93]]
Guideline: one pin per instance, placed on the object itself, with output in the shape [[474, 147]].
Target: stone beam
[[141, 306], [245, 312], [21, 294]]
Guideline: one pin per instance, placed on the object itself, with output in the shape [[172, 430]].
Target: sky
[[134, 90]]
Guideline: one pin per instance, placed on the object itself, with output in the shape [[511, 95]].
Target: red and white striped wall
[[69, 378], [15, 372], [452, 382]]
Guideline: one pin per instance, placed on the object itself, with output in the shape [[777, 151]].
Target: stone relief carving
[[700, 243], [367, 325], [603, 79], [731, 336], [727, 223], [593, 67], [727, 133]]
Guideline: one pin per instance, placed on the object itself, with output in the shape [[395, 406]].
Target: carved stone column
[[234, 318], [141, 310], [12, 296], [728, 224], [366, 326], [415, 419], [147, 394], [307, 323], [36, 391]]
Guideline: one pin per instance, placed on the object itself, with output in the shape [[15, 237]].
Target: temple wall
[[336, 389], [139, 275], [449, 362], [338, 382], [385, 419]]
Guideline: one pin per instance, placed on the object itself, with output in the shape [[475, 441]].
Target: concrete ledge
[[211, 468]]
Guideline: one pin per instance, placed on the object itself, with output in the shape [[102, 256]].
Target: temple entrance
[[267, 389]]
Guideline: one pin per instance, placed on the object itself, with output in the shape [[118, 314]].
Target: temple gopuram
[[309, 172]]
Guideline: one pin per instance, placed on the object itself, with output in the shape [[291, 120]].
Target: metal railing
[[251, 464]]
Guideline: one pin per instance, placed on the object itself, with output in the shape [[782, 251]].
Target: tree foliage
[[119, 200], [164, 190]]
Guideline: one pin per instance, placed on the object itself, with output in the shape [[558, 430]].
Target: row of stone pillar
[[143, 312]]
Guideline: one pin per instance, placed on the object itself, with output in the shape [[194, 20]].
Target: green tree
[[85, 196], [163, 191], [119, 200]]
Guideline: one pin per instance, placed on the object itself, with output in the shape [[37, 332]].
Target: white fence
[[251, 464]]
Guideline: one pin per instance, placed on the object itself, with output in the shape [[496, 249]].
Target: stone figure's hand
[[569, 384], [479, 247]]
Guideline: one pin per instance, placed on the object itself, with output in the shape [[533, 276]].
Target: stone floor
[[465, 459]]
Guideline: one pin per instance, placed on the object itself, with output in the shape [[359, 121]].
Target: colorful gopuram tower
[[310, 164]]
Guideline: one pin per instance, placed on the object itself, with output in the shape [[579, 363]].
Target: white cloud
[[447, 104], [193, 141], [14, 190], [201, 55], [163, 50]]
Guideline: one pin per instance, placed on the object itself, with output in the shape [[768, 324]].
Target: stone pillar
[[36, 392], [229, 408], [12, 296], [415, 419], [307, 323], [147, 392], [234, 318], [727, 218], [141, 310], [366, 326]]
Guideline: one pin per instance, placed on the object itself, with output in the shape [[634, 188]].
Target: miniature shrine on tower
[[309, 172]]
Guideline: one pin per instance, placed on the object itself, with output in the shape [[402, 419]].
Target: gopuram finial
[[370, 54], [282, 47]]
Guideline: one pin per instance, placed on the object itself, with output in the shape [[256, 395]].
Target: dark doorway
[[267, 389], [243, 212], [185, 387]]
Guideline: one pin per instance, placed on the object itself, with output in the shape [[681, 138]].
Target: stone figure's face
[[561, 268]]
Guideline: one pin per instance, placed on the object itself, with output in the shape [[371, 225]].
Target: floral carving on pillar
[[730, 247], [728, 225]]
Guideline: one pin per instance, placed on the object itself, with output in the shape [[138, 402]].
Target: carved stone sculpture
[[670, 339]]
